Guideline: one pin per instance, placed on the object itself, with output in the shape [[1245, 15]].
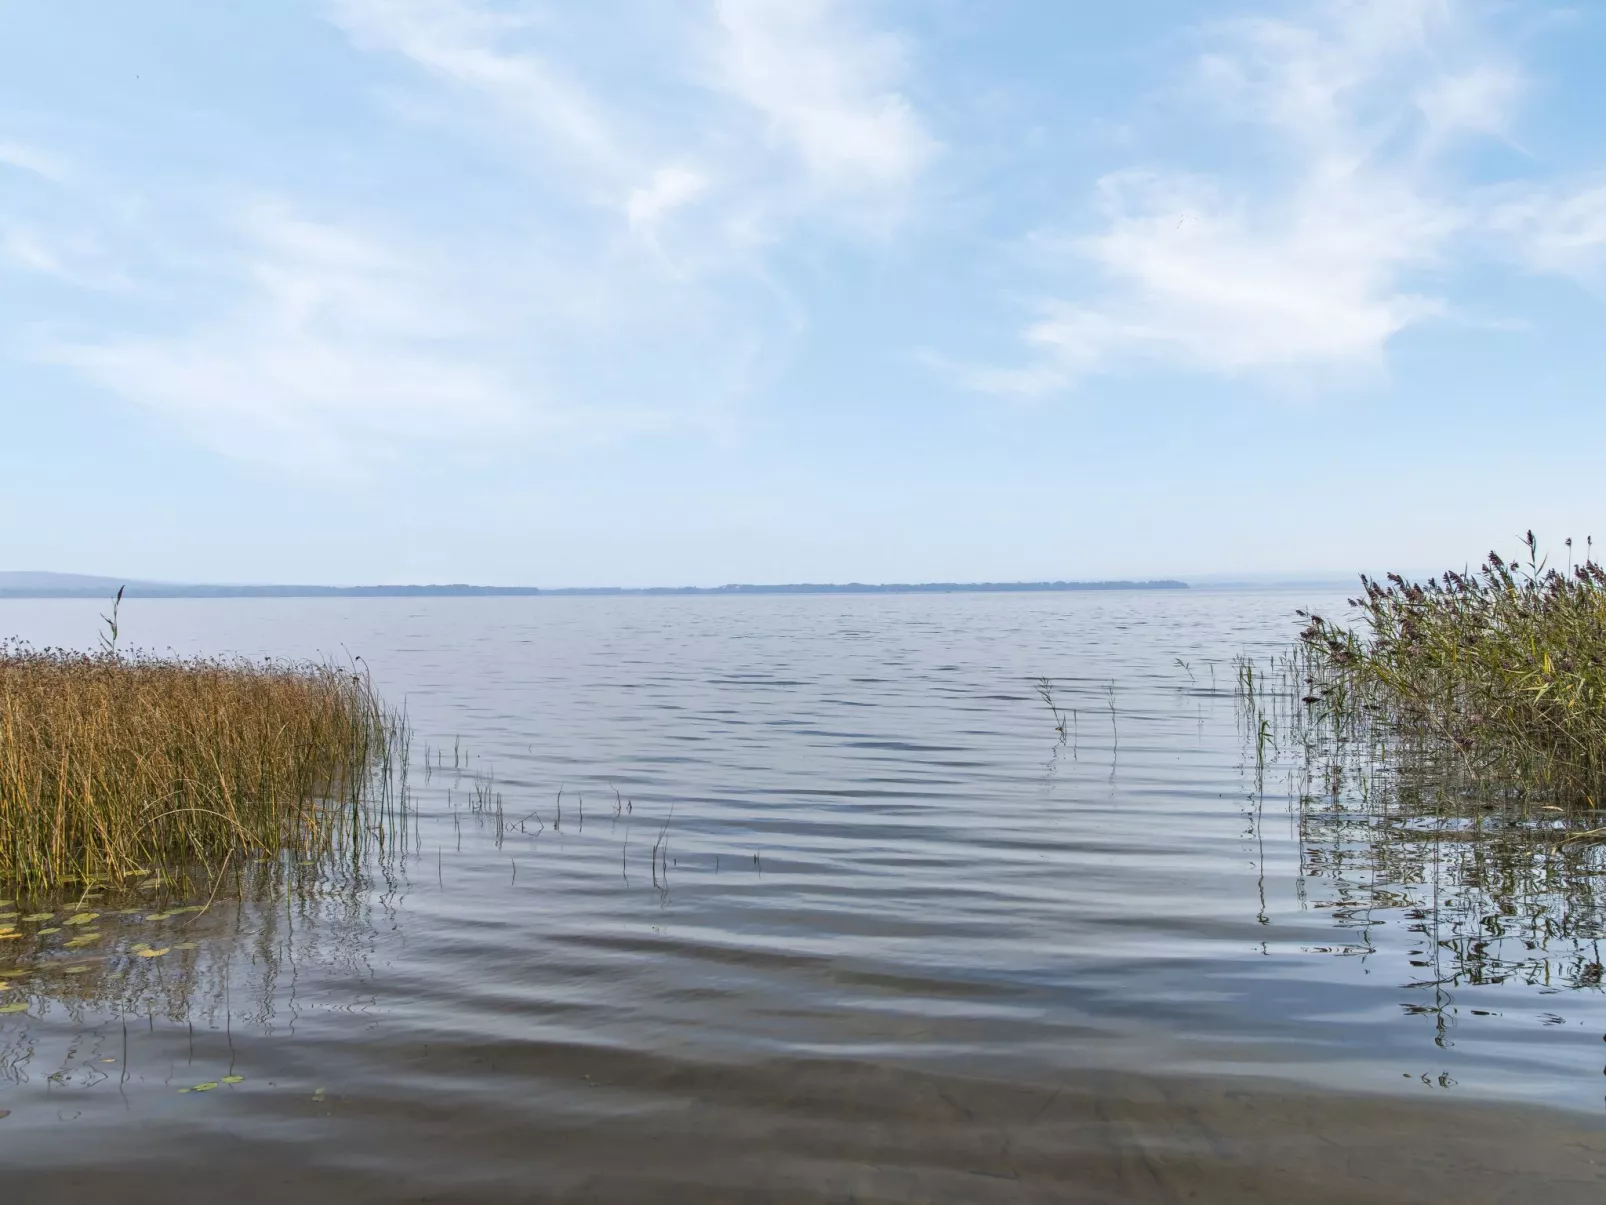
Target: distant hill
[[66, 584], [77, 585]]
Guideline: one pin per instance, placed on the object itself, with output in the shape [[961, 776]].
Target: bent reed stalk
[[114, 764], [1493, 680]]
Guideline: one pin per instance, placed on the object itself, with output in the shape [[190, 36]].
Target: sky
[[647, 292]]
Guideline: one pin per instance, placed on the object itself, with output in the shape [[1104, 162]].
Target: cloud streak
[[1309, 263], [616, 277]]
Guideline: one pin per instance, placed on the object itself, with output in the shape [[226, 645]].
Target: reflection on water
[[83, 967], [1488, 890], [959, 898]]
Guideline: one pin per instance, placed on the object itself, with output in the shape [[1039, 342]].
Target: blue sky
[[699, 291]]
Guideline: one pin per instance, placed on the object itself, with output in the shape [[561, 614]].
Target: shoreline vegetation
[[1444, 751], [117, 767], [1485, 687], [42, 585]]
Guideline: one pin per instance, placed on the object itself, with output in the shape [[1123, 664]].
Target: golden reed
[[114, 764]]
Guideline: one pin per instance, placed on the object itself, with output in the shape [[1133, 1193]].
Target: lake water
[[831, 912]]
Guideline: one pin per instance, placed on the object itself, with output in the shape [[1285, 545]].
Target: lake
[[835, 905]]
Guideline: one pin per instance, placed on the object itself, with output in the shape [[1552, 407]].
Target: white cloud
[[333, 347], [1325, 249], [473, 47], [632, 171], [22, 156], [669, 189], [829, 88], [1560, 230]]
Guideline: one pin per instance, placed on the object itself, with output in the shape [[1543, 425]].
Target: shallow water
[[859, 924]]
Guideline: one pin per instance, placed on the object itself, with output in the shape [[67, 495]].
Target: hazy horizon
[[514, 291]]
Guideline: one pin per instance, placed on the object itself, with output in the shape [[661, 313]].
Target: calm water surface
[[828, 911]]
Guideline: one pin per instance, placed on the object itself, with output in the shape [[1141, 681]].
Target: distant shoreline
[[155, 590]]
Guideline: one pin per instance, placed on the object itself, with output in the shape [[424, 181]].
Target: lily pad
[[34, 917], [48, 932], [21, 1006], [234, 1079], [147, 952], [87, 939], [82, 918], [206, 1087]]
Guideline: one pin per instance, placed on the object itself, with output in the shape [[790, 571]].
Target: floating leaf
[[82, 918], [147, 952], [88, 939], [4, 986], [187, 945], [21, 1006], [108, 1060], [48, 932], [38, 916], [6, 903], [206, 1087], [140, 945], [320, 1095], [234, 1079], [8, 916], [182, 1091], [159, 916], [10, 935]]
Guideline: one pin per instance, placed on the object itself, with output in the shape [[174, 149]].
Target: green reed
[[1493, 680], [114, 764]]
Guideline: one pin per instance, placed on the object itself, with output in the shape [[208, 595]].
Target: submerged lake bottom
[[832, 898]]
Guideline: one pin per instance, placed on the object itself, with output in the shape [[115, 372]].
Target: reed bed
[[113, 765], [1491, 681]]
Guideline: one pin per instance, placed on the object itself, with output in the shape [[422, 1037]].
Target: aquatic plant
[[1494, 680], [113, 764]]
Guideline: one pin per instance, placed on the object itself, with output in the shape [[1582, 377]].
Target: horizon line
[[136, 589]]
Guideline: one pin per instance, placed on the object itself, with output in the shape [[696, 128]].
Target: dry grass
[[114, 764], [1497, 677]]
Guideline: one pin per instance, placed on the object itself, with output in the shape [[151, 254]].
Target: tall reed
[[114, 764], [1496, 678]]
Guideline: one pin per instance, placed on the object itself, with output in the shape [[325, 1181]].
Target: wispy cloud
[[1329, 242], [21, 156], [331, 342], [827, 86], [1558, 229], [616, 276]]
